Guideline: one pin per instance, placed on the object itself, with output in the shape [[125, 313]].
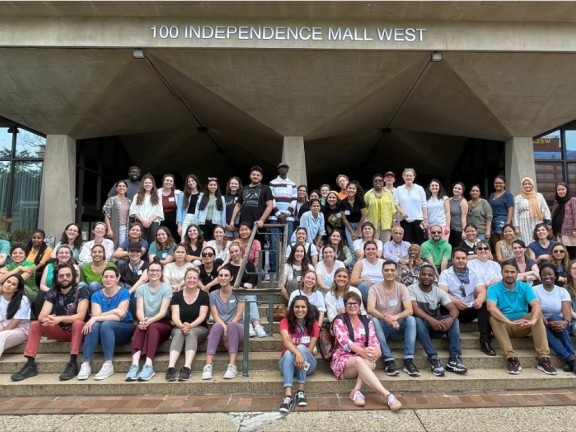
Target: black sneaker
[[410, 368], [170, 374], [545, 366], [70, 372], [184, 373], [390, 368], [28, 371], [287, 404], [301, 400], [455, 365], [514, 367], [436, 366]]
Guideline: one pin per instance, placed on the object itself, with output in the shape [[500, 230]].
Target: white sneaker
[[207, 372], [260, 332], [231, 372], [106, 371], [251, 332], [85, 372]]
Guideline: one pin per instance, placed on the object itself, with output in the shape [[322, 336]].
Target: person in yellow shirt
[[380, 208]]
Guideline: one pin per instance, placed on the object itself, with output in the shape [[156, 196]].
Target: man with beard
[[133, 183], [62, 318]]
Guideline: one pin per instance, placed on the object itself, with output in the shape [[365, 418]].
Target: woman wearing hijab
[[530, 209], [564, 218]]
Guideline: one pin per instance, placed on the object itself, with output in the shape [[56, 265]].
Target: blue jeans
[[560, 342], [426, 332], [289, 370], [92, 287], [407, 331], [349, 238], [364, 288], [109, 333], [254, 312], [275, 237]]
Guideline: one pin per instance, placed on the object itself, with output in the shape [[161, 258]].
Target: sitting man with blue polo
[[508, 303], [436, 250], [390, 305]]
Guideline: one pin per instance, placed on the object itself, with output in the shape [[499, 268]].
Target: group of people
[[416, 262]]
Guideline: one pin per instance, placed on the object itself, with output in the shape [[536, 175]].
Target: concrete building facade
[[456, 90]]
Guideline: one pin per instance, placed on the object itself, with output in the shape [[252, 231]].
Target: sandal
[[357, 398]]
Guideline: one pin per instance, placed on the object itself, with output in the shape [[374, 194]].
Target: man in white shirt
[[396, 249]]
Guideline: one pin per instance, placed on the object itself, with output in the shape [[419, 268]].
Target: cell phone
[[306, 366]]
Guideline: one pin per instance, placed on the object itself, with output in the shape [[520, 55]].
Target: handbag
[[280, 312], [326, 342]]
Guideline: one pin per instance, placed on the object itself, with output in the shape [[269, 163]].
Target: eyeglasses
[[65, 276], [482, 248], [435, 232], [558, 251], [154, 271], [352, 304], [207, 254]]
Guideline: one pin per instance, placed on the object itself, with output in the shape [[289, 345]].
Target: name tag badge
[[340, 303], [139, 273], [232, 300], [393, 302], [305, 339], [362, 330], [347, 212], [171, 199]]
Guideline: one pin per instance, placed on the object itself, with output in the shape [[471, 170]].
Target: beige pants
[[503, 333]]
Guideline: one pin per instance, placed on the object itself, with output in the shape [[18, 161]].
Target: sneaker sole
[[515, 372], [395, 373], [184, 379], [130, 379], [438, 374], [82, 378], [102, 377], [205, 378], [19, 378], [171, 379], [284, 410], [302, 404], [229, 377], [547, 372], [412, 374], [147, 379], [456, 370]]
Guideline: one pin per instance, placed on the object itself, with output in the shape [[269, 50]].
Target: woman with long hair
[[295, 266], [309, 288], [210, 208], [169, 197], [194, 244], [458, 214], [334, 298], [342, 251], [571, 288], [564, 218], [220, 244], [227, 312], [71, 236], [479, 213], [412, 207], [502, 203], [92, 272], [543, 243], [99, 232], [175, 271], [146, 208], [116, 212], [244, 232], [530, 209], [209, 270], [14, 313], [527, 267], [187, 204], [557, 314], [38, 253], [367, 271], [327, 267], [162, 247], [110, 324], [353, 211], [300, 204], [311, 251], [438, 207], [332, 213], [559, 257], [233, 190], [19, 265], [368, 234], [63, 256], [356, 354], [299, 332], [503, 248], [189, 312], [153, 328]]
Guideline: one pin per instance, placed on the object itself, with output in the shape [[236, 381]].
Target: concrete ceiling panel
[[528, 93]]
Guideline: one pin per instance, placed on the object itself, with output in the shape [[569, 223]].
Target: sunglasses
[[558, 251], [207, 254], [462, 291], [435, 232]]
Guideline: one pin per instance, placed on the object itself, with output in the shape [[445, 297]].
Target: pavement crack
[[416, 413]]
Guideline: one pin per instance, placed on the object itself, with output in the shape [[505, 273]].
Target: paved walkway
[[166, 404]]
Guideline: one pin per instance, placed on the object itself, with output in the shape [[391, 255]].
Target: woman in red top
[[170, 196], [299, 331]]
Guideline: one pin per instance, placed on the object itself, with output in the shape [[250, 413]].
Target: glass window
[[548, 146], [29, 145], [570, 144], [547, 175], [4, 187], [27, 185], [5, 143]]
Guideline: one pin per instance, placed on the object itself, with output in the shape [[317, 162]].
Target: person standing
[[564, 218], [502, 203], [61, 318], [116, 214], [146, 208], [410, 200], [133, 183], [170, 197], [530, 209], [380, 208]]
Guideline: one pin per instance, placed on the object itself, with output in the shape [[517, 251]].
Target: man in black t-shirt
[[256, 201]]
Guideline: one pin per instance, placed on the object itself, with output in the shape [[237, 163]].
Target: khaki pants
[[503, 333]]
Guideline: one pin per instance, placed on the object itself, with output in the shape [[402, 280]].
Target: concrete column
[[58, 196], [294, 153], [519, 162]]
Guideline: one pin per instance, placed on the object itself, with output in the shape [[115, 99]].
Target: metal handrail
[[269, 291]]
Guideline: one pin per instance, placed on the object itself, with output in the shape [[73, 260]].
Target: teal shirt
[[161, 253], [512, 303]]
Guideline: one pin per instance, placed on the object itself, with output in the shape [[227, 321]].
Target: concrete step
[[55, 362], [271, 382]]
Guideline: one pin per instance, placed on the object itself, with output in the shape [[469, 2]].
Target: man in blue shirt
[[507, 303]]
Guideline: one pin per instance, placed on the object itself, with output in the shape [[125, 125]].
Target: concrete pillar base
[[519, 162], [294, 153]]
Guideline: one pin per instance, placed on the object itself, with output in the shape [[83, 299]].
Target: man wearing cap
[[284, 192], [380, 208], [133, 182]]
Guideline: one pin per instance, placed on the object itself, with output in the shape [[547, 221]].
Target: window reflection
[[29, 145], [548, 146], [570, 144], [5, 143]]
